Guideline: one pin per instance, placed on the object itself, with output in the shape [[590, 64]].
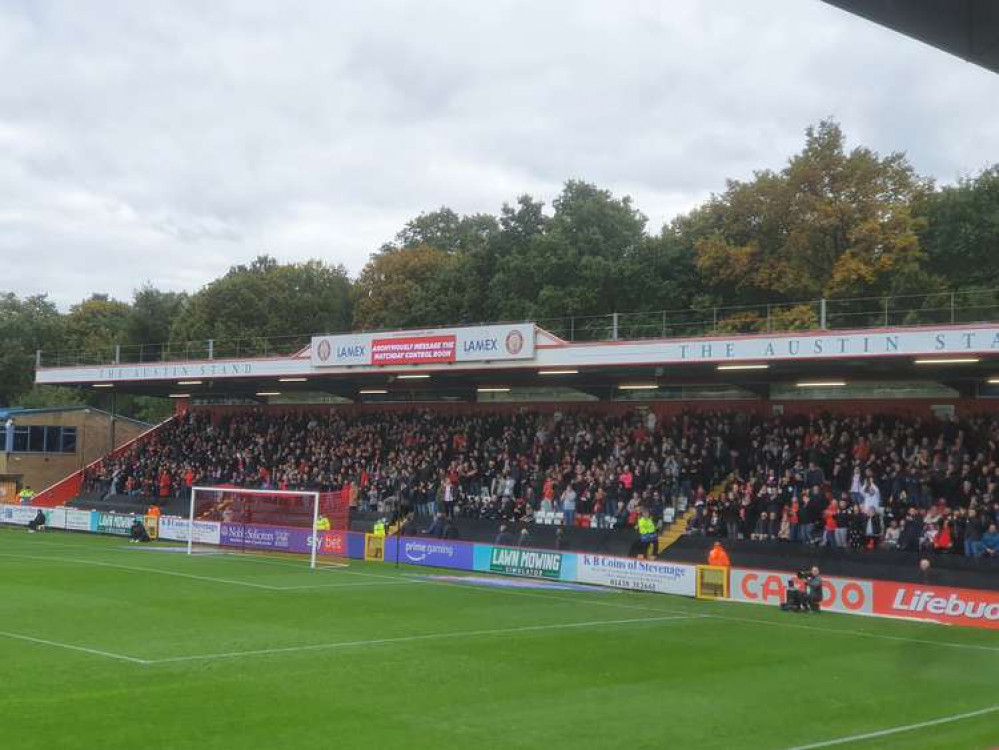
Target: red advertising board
[[848, 595], [415, 350], [969, 607], [952, 606]]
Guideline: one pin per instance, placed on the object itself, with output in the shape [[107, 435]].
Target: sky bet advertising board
[[281, 539]]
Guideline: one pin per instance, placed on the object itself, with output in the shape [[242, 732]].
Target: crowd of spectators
[[873, 481], [868, 482]]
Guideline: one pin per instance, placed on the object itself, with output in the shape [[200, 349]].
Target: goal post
[[298, 522]]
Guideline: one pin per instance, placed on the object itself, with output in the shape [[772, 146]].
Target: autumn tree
[[832, 223]]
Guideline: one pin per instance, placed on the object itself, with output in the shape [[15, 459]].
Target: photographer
[[794, 597], [813, 590]]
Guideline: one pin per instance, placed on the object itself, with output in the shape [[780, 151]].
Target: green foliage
[[832, 223], [50, 397], [268, 299], [95, 326], [25, 327], [961, 237], [148, 324], [407, 287]]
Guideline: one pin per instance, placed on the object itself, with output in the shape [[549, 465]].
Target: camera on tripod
[[795, 599]]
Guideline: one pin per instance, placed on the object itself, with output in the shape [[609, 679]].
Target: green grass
[[719, 675]]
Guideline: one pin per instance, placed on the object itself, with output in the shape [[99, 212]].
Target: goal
[[283, 521]]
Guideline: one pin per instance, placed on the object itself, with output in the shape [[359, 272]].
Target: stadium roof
[[466, 364], [968, 29]]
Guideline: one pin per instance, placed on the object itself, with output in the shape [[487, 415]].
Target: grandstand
[[512, 466], [794, 437]]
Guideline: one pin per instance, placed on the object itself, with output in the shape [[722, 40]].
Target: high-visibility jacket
[[646, 526], [379, 529], [718, 556], [26, 495], [323, 524]]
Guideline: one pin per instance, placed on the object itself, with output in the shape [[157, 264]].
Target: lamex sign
[[436, 553], [968, 607], [178, 529], [437, 346], [639, 575], [849, 595], [531, 563]]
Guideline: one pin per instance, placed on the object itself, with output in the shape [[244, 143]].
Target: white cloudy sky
[[166, 141]]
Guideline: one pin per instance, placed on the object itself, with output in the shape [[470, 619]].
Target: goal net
[[288, 522]]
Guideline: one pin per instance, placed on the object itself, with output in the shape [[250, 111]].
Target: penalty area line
[[898, 730], [71, 647], [415, 638]]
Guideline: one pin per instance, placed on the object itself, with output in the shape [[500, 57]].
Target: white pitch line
[[351, 585], [569, 599], [731, 618], [71, 647], [862, 633], [413, 638], [134, 568], [898, 730]]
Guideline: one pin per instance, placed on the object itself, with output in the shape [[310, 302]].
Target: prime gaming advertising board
[[952, 606]]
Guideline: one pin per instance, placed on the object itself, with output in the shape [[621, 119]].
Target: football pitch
[[104, 644]]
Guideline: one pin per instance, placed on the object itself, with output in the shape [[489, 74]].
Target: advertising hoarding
[[967, 607], [849, 595], [177, 529], [80, 520], [530, 563], [118, 524], [470, 344], [639, 575], [435, 553]]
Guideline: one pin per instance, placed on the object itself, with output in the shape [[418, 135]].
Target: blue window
[[44, 440]]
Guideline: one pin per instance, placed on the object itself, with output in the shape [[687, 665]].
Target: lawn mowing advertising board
[[530, 563], [119, 524]]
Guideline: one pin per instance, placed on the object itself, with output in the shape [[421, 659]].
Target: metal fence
[[944, 308]]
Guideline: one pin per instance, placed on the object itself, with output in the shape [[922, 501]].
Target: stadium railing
[[941, 308]]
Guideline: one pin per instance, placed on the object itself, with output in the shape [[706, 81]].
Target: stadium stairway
[[675, 530], [679, 526]]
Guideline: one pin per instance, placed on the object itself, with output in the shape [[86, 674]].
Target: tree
[[961, 238], [573, 263], [95, 326], [409, 287], [147, 327], [831, 223], [445, 230], [267, 299], [25, 327]]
